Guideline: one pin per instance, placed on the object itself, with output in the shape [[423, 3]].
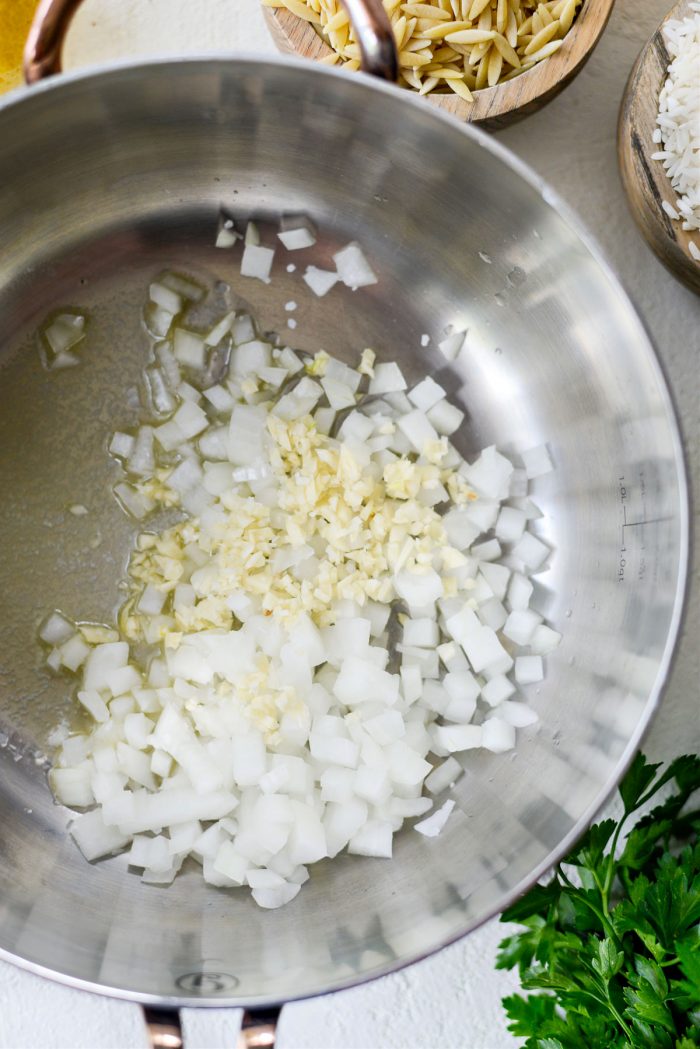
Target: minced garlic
[[357, 529]]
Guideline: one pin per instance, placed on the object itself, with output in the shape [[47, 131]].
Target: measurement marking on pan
[[636, 539]]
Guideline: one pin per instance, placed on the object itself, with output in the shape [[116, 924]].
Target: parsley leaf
[[609, 952], [609, 960], [636, 780], [537, 901]]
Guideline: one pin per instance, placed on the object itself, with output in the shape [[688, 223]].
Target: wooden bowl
[[645, 180], [494, 106]]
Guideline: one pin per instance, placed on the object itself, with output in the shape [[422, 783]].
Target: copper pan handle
[[375, 36], [164, 1028], [42, 53], [258, 1028]]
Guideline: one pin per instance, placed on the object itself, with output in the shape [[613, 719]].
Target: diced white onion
[[94, 839], [443, 776], [521, 625], [165, 297], [320, 281], [426, 394], [537, 461], [220, 330], [189, 348], [433, 825], [456, 738], [226, 238], [445, 417], [387, 378], [510, 524], [353, 268], [519, 592], [531, 551], [374, 839], [64, 332], [528, 670], [256, 262], [56, 629], [497, 689], [292, 709], [121, 445], [497, 735], [297, 233]]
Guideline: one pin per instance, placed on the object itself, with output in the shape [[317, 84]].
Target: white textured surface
[[453, 999]]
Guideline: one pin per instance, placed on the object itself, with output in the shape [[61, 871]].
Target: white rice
[[678, 120]]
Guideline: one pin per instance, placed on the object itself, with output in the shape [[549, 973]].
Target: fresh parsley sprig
[[611, 945]]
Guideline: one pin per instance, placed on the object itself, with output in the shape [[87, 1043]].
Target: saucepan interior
[[105, 179]]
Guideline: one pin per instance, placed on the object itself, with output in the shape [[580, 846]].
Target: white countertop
[[453, 999]]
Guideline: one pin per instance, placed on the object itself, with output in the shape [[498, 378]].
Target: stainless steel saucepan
[[105, 178]]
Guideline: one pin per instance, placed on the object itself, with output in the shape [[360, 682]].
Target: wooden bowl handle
[[42, 53]]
